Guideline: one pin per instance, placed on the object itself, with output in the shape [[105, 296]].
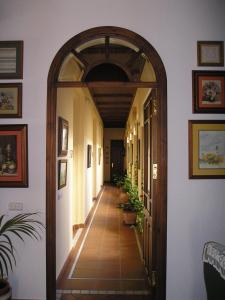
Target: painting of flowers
[[10, 100], [208, 92]]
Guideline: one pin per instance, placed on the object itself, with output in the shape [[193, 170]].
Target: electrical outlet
[[15, 206]]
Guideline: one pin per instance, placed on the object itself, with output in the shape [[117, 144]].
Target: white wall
[[64, 196], [195, 207]]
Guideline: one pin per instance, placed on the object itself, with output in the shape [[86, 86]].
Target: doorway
[[116, 158], [144, 50]]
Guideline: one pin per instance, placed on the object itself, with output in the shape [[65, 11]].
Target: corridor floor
[[106, 260]]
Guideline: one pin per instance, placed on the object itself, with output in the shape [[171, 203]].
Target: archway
[[160, 227]]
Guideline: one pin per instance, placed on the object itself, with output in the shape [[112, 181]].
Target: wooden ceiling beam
[[111, 95], [113, 105], [107, 84]]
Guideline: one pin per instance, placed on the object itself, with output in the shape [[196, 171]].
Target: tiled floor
[[106, 259]]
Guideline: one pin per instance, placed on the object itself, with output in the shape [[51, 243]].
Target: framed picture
[[208, 91], [13, 156], [89, 156], [139, 154], [11, 59], [99, 155], [10, 100], [62, 173], [210, 53], [206, 149], [63, 131]]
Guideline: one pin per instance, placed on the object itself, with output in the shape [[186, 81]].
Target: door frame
[[161, 208]]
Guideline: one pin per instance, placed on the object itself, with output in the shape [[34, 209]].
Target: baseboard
[[76, 227]]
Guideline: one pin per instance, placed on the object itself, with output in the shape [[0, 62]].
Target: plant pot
[[129, 217], [5, 290], [123, 198]]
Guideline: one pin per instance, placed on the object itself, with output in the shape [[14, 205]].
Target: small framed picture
[[99, 155], [208, 91], [10, 100], [13, 156], [62, 173], [210, 53], [89, 156], [206, 149], [139, 154], [11, 59], [63, 131]]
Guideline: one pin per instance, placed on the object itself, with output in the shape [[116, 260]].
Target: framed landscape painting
[[206, 149], [210, 53], [13, 156], [208, 91], [10, 100], [11, 59]]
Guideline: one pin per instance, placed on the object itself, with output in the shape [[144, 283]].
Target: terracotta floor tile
[[109, 257]]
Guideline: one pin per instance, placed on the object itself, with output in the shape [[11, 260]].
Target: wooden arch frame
[[161, 206]]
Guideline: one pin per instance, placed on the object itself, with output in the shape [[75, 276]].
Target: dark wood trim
[[134, 57], [80, 58], [107, 48], [107, 84], [161, 226]]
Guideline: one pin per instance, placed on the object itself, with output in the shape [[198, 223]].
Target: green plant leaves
[[18, 226]]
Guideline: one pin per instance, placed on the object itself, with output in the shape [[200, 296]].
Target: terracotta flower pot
[[129, 217], [123, 198], [5, 290]]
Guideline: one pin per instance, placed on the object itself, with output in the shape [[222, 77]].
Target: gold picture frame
[[210, 53], [11, 59], [206, 149]]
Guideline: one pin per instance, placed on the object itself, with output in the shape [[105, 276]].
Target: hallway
[[106, 259]]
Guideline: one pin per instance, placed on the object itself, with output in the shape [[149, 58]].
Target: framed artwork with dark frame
[[206, 149], [11, 59], [99, 155], [13, 156], [139, 154], [10, 100], [63, 131], [210, 53], [62, 173], [89, 156], [208, 91]]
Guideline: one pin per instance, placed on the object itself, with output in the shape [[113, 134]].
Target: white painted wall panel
[[195, 207]]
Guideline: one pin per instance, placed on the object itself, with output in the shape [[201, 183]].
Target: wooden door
[[116, 158], [150, 174]]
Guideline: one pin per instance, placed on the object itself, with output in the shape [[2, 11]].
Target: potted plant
[[133, 208], [19, 226]]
